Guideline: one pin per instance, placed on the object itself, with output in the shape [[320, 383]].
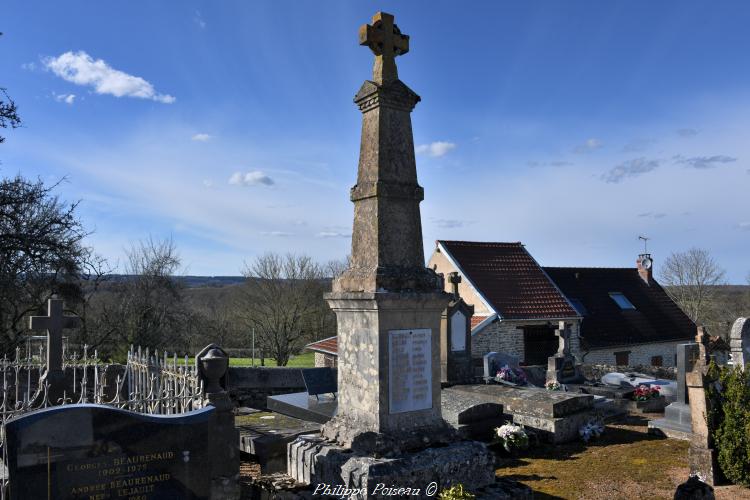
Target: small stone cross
[[454, 278], [563, 335], [386, 42], [54, 323]]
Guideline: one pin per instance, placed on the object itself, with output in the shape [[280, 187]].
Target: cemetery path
[[625, 463]]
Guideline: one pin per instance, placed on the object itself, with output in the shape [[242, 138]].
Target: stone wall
[[325, 360], [507, 336], [249, 386], [639, 354]]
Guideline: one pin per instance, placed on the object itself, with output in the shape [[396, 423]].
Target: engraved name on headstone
[[410, 376]]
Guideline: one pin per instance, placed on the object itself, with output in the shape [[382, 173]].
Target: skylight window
[[621, 300]]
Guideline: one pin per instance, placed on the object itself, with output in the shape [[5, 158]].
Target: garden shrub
[[729, 421]]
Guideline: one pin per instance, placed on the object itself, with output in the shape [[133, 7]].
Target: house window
[[622, 358], [621, 300], [657, 361]]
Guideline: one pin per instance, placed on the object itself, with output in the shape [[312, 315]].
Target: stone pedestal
[[456, 366], [388, 368]]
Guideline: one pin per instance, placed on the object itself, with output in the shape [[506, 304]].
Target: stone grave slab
[[303, 406], [266, 434], [557, 416], [473, 417], [87, 451]]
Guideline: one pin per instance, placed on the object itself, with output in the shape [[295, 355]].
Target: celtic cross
[[386, 41]]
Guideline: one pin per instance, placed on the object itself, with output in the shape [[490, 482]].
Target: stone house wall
[[639, 354], [507, 336], [325, 360]]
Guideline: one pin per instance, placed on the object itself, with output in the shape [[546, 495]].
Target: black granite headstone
[[320, 381], [96, 452]]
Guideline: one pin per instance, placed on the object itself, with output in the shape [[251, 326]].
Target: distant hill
[[190, 281]]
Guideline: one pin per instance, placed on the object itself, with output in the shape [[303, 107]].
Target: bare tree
[[282, 300], [146, 306], [41, 253], [690, 278]]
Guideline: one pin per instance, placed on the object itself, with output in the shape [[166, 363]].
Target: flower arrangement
[[644, 392], [553, 385], [508, 374], [592, 429], [512, 437]]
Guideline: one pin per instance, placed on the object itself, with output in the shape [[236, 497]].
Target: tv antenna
[[645, 243]]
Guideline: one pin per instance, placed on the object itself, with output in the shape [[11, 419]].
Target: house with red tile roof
[[618, 316]]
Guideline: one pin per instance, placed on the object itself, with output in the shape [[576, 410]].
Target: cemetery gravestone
[[319, 381], [494, 361], [739, 341], [456, 364], [96, 452], [54, 323], [677, 421], [562, 367]]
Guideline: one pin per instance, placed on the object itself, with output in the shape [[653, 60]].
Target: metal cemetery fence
[[147, 383]]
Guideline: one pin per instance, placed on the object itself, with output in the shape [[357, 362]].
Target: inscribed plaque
[[410, 370], [458, 331]]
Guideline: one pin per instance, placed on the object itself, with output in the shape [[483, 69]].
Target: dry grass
[[626, 463]]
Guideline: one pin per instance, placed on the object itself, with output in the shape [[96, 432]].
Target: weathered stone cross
[[54, 323], [386, 42], [563, 337]]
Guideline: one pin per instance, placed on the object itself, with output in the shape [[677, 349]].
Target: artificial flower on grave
[[553, 385], [512, 437], [513, 375], [644, 392], [591, 429]]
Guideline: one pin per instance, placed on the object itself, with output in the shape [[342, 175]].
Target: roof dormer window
[[621, 300]]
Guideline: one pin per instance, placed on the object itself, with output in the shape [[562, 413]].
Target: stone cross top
[[386, 42], [54, 323]]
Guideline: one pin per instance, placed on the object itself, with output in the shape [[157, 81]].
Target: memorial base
[[321, 464]]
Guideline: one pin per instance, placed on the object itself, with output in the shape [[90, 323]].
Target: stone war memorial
[[388, 428]]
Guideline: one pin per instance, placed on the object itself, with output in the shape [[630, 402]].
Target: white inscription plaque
[[458, 331], [410, 370]]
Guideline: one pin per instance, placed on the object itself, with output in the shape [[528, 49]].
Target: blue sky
[[570, 126]]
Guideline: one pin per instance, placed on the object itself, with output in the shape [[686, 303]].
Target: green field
[[305, 360]]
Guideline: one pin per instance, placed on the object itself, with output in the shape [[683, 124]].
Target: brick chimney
[[645, 266]]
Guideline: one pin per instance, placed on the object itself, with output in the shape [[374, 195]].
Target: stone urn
[[213, 366]]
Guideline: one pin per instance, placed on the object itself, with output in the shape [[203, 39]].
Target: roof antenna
[[645, 243]]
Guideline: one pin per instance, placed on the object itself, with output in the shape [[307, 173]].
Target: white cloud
[[200, 137], [208, 183], [66, 98], [277, 234], [702, 162], [30, 66], [435, 149], [332, 234], [630, 168], [198, 19], [252, 178], [687, 132], [745, 226], [81, 69], [450, 223], [591, 144]]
